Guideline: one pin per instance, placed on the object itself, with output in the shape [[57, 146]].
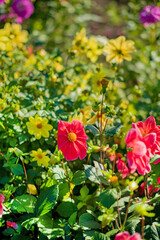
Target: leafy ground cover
[[79, 120]]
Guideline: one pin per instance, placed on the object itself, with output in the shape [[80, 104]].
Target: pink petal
[[131, 162], [131, 135], [81, 149], [135, 236], [156, 162], [139, 148], [1, 210], [2, 198], [150, 140], [122, 236], [149, 124]]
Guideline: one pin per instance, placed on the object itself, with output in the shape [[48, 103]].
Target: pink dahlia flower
[[12, 225], [149, 14], [126, 236], [2, 198], [140, 153], [149, 126], [122, 167], [72, 140], [2, 1], [23, 8]]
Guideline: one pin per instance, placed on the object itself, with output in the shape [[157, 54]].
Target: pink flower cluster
[[12, 225], [121, 165], [20, 10], [143, 141], [126, 236], [2, 198]]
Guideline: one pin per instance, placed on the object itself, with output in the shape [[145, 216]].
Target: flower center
[[21, 6], [72, 137], [39, 156], [39, 125]]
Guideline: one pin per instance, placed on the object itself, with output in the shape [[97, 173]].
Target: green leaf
[[23, 203], [91, 174], [155, 158], [108, 197], [29, 222], [89, 221], [66, 209], [72, 219], [131, 223], [58, 173], [46, 200], [99, 236], [113, 130], [17, 169], [154, 231], [63, 189], [93, 129], [18, 152], [111, 233], [156, 169], [78, 178]]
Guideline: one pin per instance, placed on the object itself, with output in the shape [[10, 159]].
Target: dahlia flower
[[139, 153], [72, 140], [149, 14], [23, 8]]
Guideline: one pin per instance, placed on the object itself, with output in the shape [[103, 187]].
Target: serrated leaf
[[23, 203], [46, 200], [108, 197], [89, 221], [78, 178], [91, 174]]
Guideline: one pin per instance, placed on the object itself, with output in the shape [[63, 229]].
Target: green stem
[[126, 215]]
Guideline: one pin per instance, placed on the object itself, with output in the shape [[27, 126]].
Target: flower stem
[[142, 228], [126, 215]]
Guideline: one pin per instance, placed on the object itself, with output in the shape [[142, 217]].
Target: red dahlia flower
[[72, 140], [140, 153]]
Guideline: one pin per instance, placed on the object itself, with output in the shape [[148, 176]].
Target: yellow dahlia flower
[[39, 127], [119, 49], [40, 157]]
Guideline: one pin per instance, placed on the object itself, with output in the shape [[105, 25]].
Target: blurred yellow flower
[[16, 34], [80, 41], [93, 50], [40, 157], [39, 127], [5, 44], [101, 119], [32, 189], [84, 114], [119, 49]]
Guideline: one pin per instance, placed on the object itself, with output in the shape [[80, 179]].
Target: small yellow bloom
[[85, 114], [80, 41], [119, 49], [39, 127], [40, 157], [93, 50], [101, 119], [32, 189]]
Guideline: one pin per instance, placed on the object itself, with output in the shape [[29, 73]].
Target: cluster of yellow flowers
[[84, 46], [40, 128], [12, 36], [116, 49]]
